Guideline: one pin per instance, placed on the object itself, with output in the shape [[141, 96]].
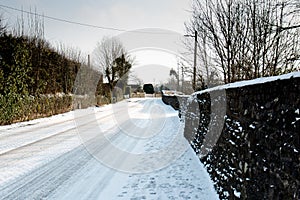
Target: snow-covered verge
[[252, 149], [49, 159]]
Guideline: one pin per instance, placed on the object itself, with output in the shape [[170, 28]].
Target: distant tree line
[[246, 39]]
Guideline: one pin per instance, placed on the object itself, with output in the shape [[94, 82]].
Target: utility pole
[[89, 61], [195, 61], [195, 58]]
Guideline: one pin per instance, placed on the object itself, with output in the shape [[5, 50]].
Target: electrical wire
[[79, 23]]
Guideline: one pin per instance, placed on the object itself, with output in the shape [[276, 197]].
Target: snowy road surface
[[130, 150]]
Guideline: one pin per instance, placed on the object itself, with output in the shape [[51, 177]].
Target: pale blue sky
[[123, 14], [120, 14]]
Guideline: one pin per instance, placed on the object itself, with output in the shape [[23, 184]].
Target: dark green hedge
[[16, 108]]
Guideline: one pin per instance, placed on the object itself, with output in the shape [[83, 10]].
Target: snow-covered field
[[134, 149]]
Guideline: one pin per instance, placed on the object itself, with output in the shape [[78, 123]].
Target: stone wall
[[171, 100], [251, 150]]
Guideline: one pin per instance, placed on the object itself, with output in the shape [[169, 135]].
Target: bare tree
[[3, 26], [247, 39], [176, 75], [135, 79], [113, 61]]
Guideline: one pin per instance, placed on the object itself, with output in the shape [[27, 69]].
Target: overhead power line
[[78, 23], [62, 20]]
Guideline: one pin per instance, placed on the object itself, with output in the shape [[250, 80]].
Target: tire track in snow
[[19, 135], [52, 174], [12, 147], [46, 179]]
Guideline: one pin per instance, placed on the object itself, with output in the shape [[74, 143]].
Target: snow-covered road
[[134, 149]]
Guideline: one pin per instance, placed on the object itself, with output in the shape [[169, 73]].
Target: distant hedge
[[148, 88]]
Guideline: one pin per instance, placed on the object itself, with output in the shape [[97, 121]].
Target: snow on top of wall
[[250, 82], [171, 93]]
